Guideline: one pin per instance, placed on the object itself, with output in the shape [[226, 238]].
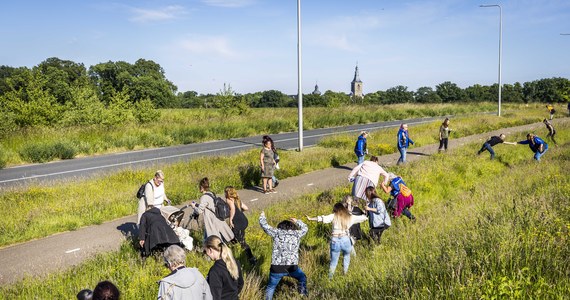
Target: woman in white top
[[341, 220], [154, 194], [366, 174]]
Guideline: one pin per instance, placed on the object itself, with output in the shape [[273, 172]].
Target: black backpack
[[222, 211], [141, 194]]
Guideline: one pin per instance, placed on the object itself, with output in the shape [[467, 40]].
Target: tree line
[[60, 92]]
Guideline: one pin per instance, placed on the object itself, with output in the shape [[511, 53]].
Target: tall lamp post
[[500, 47], [299, 90]]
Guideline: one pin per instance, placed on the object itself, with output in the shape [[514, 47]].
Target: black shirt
[[222, 285], [494, 140]]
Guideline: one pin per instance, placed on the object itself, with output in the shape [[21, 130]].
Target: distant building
[[316, 91], [356, 85]]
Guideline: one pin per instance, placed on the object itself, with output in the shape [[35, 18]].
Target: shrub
[[64, 150], [144, 111], [43, 152], [3, 158]]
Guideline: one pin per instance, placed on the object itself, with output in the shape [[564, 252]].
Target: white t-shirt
[[158, 195]]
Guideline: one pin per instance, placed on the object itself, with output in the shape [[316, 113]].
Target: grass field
[[185, 126], [485, 230]]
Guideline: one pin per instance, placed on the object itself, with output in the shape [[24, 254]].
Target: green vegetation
[[41, 211], [485, 230]]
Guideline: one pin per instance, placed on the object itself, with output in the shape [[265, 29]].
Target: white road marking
[[254, 199], [309, 184], [72, 250]]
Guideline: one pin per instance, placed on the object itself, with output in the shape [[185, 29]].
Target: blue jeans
[[487, 147], [275, 278], [537, 154], [402, 158], [339, 244], [360, 159]]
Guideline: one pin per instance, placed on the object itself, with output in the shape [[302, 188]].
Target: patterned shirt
[[285, 242]]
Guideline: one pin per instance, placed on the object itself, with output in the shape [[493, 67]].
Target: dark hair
[[205, 184], [85, 294], [267, 138], [374, 158], [287, 225], [371, 193], [106, 290]]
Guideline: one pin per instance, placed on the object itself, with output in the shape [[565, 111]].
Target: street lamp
[[299, 90], [500, 47]]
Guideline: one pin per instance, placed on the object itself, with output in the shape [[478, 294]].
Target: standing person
[[154, 233], [492, 141], [444, 132], [378, 217], [225, 277], [275, 157], [153, 194], [364, 175], [551, 110], [404, 142], [285, 253], [341, 220], [238, 221], [402, 197], [551, 130], [182, 283], [536, 145], [106, 290], [212, 225], [267, 167], [360, 148]]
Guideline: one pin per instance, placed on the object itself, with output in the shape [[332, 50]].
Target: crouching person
[[182, 282], [285, 255]]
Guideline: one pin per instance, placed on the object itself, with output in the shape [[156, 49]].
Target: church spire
[[356, 75]]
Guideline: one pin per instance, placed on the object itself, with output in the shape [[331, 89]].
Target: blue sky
[[252, 44]]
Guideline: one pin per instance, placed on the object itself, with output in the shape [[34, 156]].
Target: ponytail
[[214, 242]]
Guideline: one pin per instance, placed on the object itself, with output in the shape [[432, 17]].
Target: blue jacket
[[404, 139], [537, 142], [360, 147], [396, 186]]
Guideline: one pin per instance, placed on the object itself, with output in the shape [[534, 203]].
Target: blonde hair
[[159, 174], [231, 192], [215, 243], [341, 216]]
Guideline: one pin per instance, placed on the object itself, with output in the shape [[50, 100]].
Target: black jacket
[[155, 231], [222, 285]]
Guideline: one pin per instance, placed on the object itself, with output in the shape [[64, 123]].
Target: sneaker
[[266, 192], [276, 183]]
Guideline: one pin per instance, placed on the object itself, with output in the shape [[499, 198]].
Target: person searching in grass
[[238, 221], [106, 290], [182, 282], [444, 132], [225, 277], [364, 175], [404, 142], [153, 194], [341, 220], [285, 253], [492, 141], [275, 157], [360, 148], [551, 130], [207, 208], [378, 217], [266, 158], [402, 199], [154, 233], [536, 145]]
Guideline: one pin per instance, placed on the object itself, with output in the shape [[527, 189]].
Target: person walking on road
[[364, 175], [360, 148], [341, 220], [492, 141], [275, 157], [444, 132], [266, 158], [153, 194], [285, 253], [404, 142], [551, 130], [536, 145]]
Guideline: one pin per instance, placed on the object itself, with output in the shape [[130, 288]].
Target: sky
[[251, 45]]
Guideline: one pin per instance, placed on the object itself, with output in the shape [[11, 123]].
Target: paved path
[[61, 251]]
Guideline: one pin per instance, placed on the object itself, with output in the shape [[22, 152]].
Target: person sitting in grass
[[536, 145], [341, 220], [492, 141], [285, 254]]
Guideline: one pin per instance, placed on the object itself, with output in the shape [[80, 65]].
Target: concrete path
[[61, 251]]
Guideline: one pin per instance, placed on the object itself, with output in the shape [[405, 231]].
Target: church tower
[[356, 84]]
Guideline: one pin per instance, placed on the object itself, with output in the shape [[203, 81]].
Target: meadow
[[485, 230], [185, 126], [39, 211]]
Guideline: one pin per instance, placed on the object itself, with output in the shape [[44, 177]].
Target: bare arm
[[232, 206], [261, 158], [244, 207], [387, 189]]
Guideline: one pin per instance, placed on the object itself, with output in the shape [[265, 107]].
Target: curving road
[[80, 168]]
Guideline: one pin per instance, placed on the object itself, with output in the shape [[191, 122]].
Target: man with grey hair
[[153, 194], [182, 282]]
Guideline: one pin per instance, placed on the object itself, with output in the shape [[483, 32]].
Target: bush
[[64, 150], [144, 111], [43, 152], [3, 158]]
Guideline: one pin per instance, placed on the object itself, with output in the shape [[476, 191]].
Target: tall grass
[[485, 230], [183, 126], [40, 211]]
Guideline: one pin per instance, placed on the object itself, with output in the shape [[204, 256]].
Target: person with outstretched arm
[[492, 141], [536, 145]]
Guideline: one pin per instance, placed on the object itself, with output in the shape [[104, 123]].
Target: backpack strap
[[145, 200], [213, 196]]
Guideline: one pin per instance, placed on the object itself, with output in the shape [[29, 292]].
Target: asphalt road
[[81, 168]]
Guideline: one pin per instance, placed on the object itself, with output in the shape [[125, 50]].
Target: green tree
[[273, 98], [449, 92], [377, 97], [479, 93], [426, 94], [398, 94], [336, 99]]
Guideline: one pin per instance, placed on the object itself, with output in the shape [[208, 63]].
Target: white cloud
[[228, 3], [165, 13], [218, 46]]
